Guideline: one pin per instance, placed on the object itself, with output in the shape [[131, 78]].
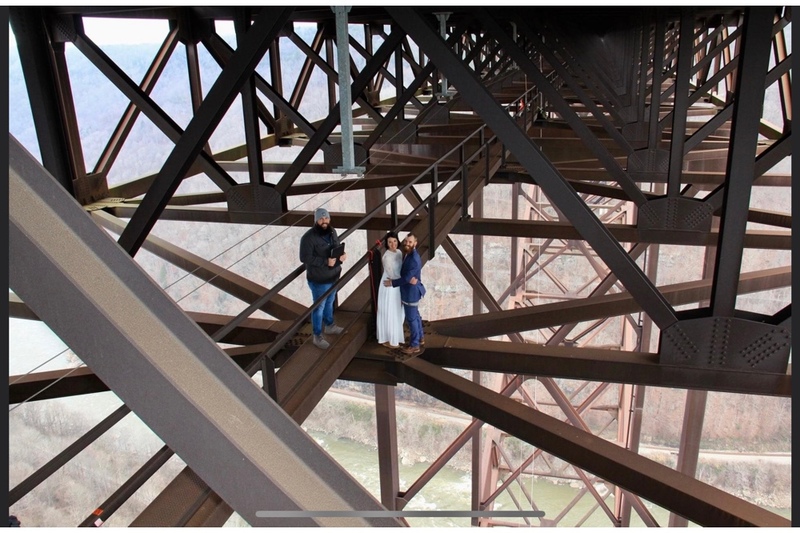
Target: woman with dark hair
[[390, 308]]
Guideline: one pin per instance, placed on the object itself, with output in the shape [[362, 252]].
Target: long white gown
[[390, 308]]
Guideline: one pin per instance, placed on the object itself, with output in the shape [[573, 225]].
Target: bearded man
[[322, 272], [411, 291]]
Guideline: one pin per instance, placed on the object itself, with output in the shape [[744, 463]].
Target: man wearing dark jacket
[[322, 271], [411, 290]]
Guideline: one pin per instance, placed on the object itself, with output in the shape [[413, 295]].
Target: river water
[[450, 489]]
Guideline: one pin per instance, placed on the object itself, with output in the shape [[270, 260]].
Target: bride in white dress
[[390, 309]]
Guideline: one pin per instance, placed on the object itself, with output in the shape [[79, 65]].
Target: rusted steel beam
[[221, 95], [471, 431], [312, 55], [320, 136], [162, 365], [371, 366], [407, 94], [766, 239], [573, 81], [699, 502], [42, 85], [139, 97], [555, 314], [222, 53], [774, 154], [249, 332], [79, 381], [753, 67], [53, 384], [777, 152], [70, 123], [386, 422], [695, 177], [304, 76], [554, 97], [562, 150], [131, 113], [680, 102], [549, 179], [250, 101], [305, 378], [689, 451], [594, 364], [780, 50]]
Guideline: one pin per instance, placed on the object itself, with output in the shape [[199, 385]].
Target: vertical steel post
[[691, 433], [485, 145], [398, 77], [681, 99], [443, 32], [35, 54], [695, 408], [345, 98], [477, 470], [394, 213], [747, 111], [386, 422], [464, 188], [516, 258], [477, 254], [268, 377], [432, 211], [655, 97], [252, 128], [331, 82], [276, 78]]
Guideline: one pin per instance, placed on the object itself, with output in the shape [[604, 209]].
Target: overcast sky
[[130, 31]]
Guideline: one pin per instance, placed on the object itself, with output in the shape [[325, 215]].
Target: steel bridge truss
[[613, 132]]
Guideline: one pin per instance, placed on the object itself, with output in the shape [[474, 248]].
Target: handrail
[[279, 342], [259, 302]]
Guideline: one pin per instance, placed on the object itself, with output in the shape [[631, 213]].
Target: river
[[450, 490]]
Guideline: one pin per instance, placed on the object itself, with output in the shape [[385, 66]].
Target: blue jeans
[[324, 311], [414, 324]]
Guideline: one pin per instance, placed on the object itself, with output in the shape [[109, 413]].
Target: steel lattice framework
[[611, 132]]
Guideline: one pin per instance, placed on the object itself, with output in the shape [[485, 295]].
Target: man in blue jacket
[[411, 291], [322, 271]]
